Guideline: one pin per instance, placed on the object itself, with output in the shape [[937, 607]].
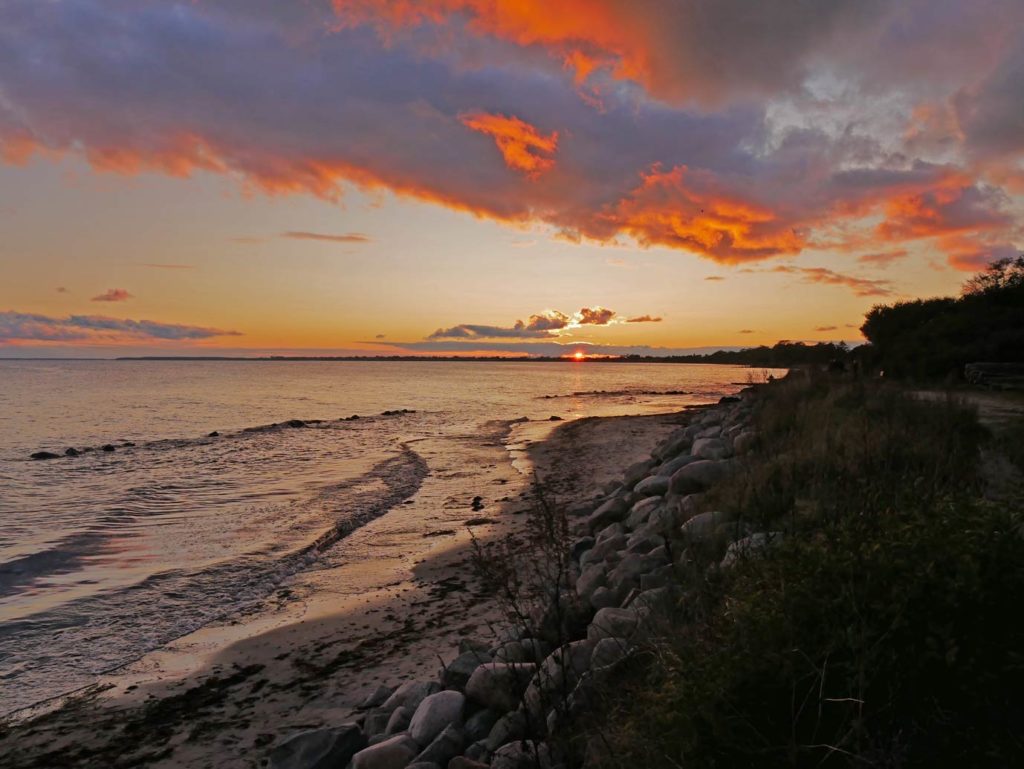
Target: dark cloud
[[18, 327], [732, 130], [595, 316], [348, 237], [113, 295], [644, 319], [714, 277], [825, 328], [746, 331], [61, 290]]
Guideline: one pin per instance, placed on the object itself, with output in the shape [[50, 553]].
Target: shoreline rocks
[[504, 706]]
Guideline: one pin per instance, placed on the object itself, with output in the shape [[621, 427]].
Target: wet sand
[[392, 609]]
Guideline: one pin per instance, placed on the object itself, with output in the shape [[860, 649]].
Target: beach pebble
[[394, 753], [434, 714], [319, 748], [499, 685]]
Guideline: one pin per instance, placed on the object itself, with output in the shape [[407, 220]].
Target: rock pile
[[505, 705]]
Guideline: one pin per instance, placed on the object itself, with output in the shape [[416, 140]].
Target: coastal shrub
[[881, 629]]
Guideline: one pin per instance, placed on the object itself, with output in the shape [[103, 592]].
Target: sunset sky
[[393, 177]]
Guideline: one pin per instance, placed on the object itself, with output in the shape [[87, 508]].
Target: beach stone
[[377, 697], [456, 674], [642, 510], [580, 546], [424, 765], [590, 579], [635, 472], [710, 448], [611, 530], [319, 748], [644, 542], [614, 623], [751, 545], [410, 694], [498, 685], [376, 722], [611, 511], [44, 455], [523, 650], [677, 443], [478, 751], [603, 597], [708, 432], [444, 747], [399, 720], [700, 476], [702, 526], [394, 753], [602, 550], [609, 651], [472, 645], [652, 485], [479, 725], [511, 726], [526, 754], [669, 467], [745, 442], [461, 762], [434, 714]]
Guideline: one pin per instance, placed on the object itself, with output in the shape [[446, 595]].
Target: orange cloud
[[113, 295], [859, 286], [688, 209], [524, 148]]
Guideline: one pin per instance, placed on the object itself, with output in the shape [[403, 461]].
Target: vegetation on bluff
[[879, 629]]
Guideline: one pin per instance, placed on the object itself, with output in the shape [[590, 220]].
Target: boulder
[[72, 452], [601, 551], [752, 545], [676, 444], [745, 442], [590, 579], [700, 476], [609, 651], [635, 472], [434, 714], [410, 694], [652, 486], [603, 597], [399, 721], [461, 762], [644, 541], [642, 510], [526, 754], [499, 685], [108, 447], [702, 526], [376, 698], [319, 748], [444, 747], [580, 546], [457, 672], [424, 765], [522, 650], [393, 753], [511, 726], [668, 468], [611, 511], [614, 623], [479, 725], [44, 455], [377, 720], [609, 531], [710, 448]]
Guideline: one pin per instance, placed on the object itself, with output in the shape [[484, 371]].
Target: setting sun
[[578, 355]]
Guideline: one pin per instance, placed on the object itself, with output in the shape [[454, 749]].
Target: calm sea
[[108, 555]]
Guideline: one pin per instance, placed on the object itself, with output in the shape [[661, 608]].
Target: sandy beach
[[392, 611]]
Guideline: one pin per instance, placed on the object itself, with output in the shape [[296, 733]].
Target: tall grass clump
[[881, 627]]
